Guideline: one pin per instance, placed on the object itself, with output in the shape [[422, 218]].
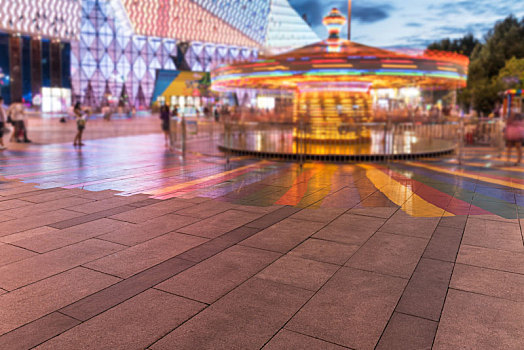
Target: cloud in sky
[[412, 23]]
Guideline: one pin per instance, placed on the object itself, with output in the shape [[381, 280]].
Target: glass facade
[[26, 67], [5, 86]]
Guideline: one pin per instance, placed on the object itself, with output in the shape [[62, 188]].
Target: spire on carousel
[[334, 22]]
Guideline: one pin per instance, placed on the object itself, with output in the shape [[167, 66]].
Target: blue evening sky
[[412, 23]]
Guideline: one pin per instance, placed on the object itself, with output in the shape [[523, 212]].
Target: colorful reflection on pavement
[[139, 164]]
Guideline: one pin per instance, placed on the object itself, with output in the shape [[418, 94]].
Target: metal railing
[[303, 141]]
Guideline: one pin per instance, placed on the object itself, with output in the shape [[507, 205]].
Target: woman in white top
[[16, 112]]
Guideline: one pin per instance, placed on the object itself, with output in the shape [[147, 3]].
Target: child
[[80, 124]]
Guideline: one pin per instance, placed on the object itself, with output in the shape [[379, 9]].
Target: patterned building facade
[[113, 48], [110, 59]]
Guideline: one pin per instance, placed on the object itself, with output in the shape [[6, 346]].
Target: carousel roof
[[337, 61]]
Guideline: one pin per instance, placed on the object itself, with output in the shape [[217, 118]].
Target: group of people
[[15, 116]]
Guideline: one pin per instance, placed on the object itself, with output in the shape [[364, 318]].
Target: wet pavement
[[127, 245]]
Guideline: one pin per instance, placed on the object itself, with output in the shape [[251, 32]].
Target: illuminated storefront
[[36, 36]]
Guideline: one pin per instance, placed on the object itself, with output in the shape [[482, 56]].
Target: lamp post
[[349, 19]]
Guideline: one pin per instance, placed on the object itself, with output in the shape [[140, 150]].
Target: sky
[[412, 23]]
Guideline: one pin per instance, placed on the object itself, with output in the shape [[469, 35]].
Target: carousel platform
[[281, 144]]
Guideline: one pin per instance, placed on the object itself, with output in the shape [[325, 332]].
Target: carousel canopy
[[340, 63]]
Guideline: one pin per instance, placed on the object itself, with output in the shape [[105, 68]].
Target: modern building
[[35, 46], [101, 51]]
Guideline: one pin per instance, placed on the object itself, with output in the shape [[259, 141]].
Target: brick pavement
[[94, 270]]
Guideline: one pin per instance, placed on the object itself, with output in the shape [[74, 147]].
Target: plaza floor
[[126, 245]]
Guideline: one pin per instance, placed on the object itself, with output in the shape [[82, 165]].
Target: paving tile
[[325, 251], [458, 221], [389, 254], [36, 332], [273, 217], [257, 209], [12, 204], [497, 218], [148, 316], [145, 255], [491, 258], [405, 332], [500, 284], [42, 266], [9, 183], [10, 254], [474, 321], [298, 272], [291, 340], [61, 238], [206, 209], [138, 215], [352, 308], [20, 191], [138, 233], [35, 209], [198, 200], [104, 204], [219, 224], [15, 237], [31, 222], [350, 229], [425, 293], [246, 318], [48, 295], [50, 196], [213, 278], [376, 200], [444, 244], [403, 224], [144, 202], [4, 218], [324, 215], [83, 218], [219, 244], [284, 235], [105, 299], [98, 195], [379, 212], [493, 234]]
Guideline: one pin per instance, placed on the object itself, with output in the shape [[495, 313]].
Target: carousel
[[334, 86]]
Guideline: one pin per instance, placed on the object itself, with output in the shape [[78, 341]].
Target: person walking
[[514, 135], [17, 114], [165, 116], [80, 124], [3, 123]]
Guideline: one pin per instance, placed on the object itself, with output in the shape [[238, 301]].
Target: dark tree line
[[501, 46]]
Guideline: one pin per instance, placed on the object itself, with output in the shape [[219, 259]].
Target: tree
[[512, 75], [503, 42], [487, 61], [464, 45]]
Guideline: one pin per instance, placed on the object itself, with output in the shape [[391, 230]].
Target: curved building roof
[[269, 24]]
